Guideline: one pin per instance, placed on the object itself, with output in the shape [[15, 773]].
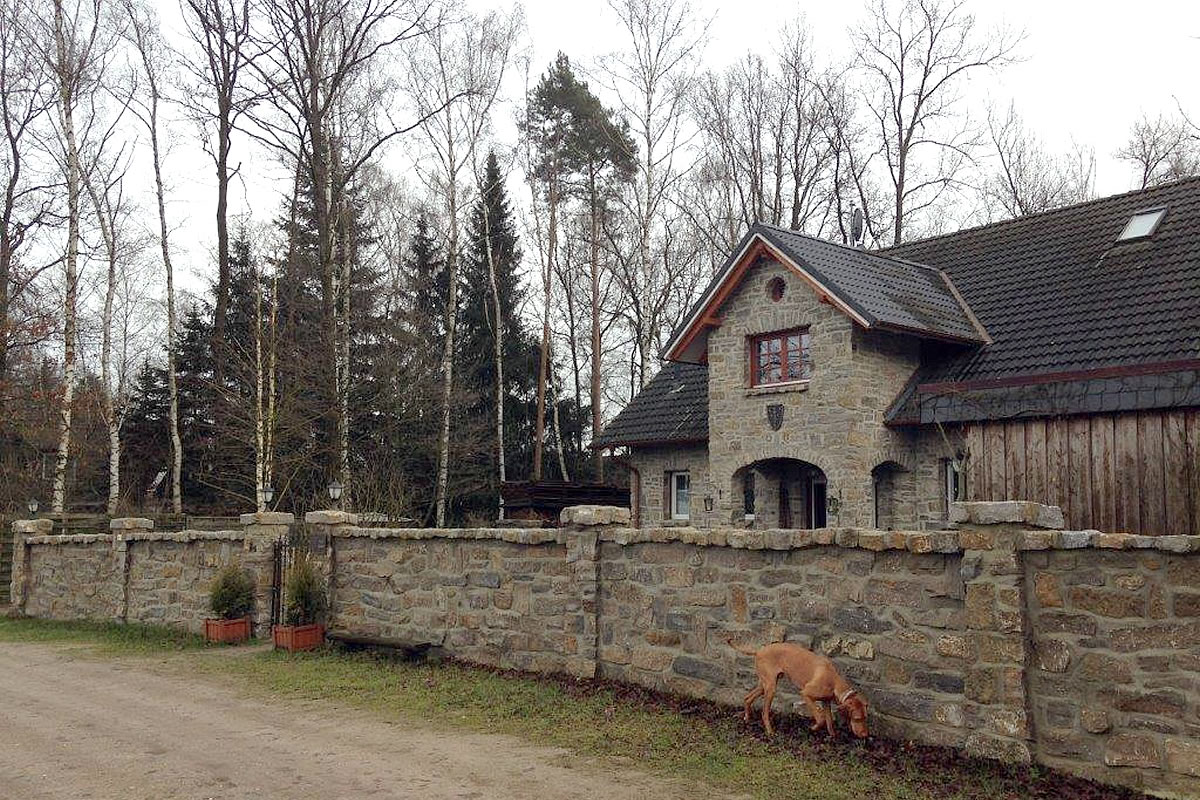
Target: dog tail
[[741, 648]]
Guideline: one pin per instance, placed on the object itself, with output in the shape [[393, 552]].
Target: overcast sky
[[1088, 70]]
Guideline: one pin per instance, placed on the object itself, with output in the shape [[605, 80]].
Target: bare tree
[[104, 184], [1028, 179], [70, 45], [454, 81], [220, 31], [27, 201], [653, 76], [1162, 149], [319, 67], [914, 55], [143, 34]]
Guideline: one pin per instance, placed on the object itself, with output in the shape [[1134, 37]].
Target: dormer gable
[[874, 291]]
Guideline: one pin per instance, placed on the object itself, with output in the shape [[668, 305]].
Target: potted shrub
[[231, 599], [304, 603]]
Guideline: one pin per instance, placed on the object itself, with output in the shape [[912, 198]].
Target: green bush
[[304, 593], [232, 594]]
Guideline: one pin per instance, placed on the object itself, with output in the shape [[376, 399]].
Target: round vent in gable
[[775, 288]]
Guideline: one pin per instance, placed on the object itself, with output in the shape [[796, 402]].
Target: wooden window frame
[[782, 337]]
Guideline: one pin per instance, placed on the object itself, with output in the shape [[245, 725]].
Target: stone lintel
[[131, 524], [331, 517], [594, 515]]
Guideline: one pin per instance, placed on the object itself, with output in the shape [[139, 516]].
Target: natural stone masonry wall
[[1116, 664], [1006, 636], [138, 575]]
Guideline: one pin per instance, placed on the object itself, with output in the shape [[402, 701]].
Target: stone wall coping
[[268, 518], [75, 538], [512, 535], [139, 536], [185, 536], [33, 527], [331, 517], [131, 524], [999, 512], [935, 541], [594, 515]]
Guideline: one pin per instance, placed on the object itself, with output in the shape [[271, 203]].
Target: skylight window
[[1142, 224]]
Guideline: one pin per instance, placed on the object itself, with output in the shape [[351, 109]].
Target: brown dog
[[817, 679]]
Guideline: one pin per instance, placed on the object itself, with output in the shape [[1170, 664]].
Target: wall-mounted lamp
[[32, 505], [708, 502], [833, 505], [335, 490], [268, 493]]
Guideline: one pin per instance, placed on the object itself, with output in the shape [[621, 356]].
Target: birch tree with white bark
[[454, 79]]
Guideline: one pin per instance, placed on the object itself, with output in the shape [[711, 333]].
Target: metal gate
[[300, 543]]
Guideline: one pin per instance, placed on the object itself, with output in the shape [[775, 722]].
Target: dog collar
[[841, 699]]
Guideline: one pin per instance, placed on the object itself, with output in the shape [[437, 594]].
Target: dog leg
[[817, 712], [768, 698], [755, 693]]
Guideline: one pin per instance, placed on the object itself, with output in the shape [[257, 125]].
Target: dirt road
[[77, 727]]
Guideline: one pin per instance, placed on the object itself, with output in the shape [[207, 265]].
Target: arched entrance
[[781, 493]]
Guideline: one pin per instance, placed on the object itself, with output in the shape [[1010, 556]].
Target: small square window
[[780, 358], [1142, 224]]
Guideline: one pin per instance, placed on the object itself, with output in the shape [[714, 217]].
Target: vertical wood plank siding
[[1135, 472]]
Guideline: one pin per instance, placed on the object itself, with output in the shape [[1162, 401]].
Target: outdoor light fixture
[[708, 502], [268, 493], [335, 490], [32, 505]]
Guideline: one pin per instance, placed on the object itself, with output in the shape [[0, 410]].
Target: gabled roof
[[877, 291], [1059, 294], [672, 407]]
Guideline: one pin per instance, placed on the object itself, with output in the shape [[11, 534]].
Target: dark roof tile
[[672, 407]]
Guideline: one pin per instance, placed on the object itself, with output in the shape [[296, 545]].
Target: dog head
[[854, 709]]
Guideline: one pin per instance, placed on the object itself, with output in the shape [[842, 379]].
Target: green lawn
[[694, 742]]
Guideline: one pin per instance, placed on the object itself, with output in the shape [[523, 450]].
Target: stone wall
[[1116, 670], [1005, 636], [505, 597], [134, 574]]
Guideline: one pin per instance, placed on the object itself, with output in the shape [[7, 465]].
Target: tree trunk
[[539, 433], [597, 354], [100, 203], [443, 474], [66, 101], [260, 501], [497, 353], [172, 382], [222, 301]]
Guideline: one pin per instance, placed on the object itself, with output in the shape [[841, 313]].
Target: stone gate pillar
[[325, 527], [992, 536], [583, 528], [22, 530], [262, 530]]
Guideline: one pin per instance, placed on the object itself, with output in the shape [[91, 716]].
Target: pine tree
[[495, 237]]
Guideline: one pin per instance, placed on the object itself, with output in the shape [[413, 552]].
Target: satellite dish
[[856, 225]]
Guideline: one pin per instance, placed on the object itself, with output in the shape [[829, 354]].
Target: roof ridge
[[1037, 214], [844, 246]]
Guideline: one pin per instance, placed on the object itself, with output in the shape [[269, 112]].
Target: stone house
[[1054, 357]]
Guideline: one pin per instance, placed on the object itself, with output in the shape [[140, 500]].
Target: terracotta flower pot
[[227, 631], [298, 637]]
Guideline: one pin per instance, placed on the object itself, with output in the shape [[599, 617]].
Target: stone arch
[[780, 492]]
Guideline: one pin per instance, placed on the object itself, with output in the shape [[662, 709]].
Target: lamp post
[[268, 494], [32, 505], [335, 493]]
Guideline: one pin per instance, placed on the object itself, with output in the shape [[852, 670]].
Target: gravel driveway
[[72, 726]]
